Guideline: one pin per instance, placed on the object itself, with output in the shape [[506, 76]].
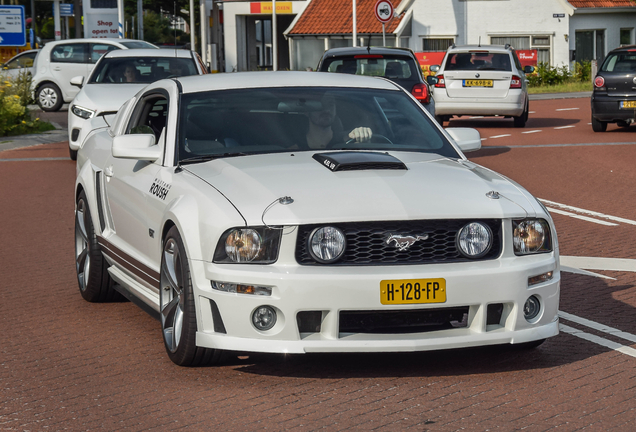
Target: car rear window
[[391, 67], [482, 60], [141, 69], [138, 45], [620, 62]]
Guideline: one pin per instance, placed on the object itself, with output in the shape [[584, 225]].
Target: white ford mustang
[[296, 212]]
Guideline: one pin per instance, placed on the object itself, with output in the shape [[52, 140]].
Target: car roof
[[241, 80], [345, 51], [93, 40], [464, 48], [149, 52], [624, 48]]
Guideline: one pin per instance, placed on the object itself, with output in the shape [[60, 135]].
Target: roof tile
[[335, 17], [601, 3]]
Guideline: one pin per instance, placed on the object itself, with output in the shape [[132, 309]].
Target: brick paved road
[[66, 364]]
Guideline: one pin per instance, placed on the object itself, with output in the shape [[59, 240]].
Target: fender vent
[[355, 161], [98, 191]]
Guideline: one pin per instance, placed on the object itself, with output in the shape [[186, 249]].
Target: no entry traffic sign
[[384, 11]]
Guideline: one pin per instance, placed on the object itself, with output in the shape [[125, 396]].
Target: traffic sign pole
[[384, 13], [383, 36]]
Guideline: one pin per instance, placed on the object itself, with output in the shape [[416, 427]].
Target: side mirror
[[432, 80], [528, 69], [468, 139], [77, 81], [136, 146], [434, 68]]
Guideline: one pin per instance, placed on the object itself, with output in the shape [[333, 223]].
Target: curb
[[544, 96]]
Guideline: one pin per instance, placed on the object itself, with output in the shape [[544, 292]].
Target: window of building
[[589, 45], [626, 36], [436, 44], [542, 43], [404, 42]]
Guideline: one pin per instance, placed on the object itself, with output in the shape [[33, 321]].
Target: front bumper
[[607, 108], [330, 290]]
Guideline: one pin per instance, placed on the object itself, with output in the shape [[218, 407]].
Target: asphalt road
[[66, 364]]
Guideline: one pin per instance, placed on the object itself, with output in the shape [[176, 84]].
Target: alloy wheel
[[172, 294], [82, 252]]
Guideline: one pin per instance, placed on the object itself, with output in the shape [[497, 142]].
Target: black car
[[397, 64], [614, 96]]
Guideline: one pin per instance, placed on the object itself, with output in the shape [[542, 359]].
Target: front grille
[[367, 242], [403, 321]]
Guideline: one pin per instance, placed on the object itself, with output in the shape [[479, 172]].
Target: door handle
[[57, 68], [108, 171]]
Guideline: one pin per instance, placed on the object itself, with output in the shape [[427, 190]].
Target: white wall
[[612, 23]]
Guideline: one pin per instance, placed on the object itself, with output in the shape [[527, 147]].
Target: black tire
[[523, 118], [72, 153], [49, 97], [178, 309], [598, 126], [442, 118], [94, 281]]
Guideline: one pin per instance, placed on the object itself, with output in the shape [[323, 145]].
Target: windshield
[[141, 69], [392, 67], [138, 44], [620, 62], [235, 122], [482, 60]]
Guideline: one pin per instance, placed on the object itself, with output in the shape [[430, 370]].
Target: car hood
[[106, 97], [431, 187]]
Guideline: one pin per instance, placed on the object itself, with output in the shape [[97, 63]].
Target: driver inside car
[[325, 129]]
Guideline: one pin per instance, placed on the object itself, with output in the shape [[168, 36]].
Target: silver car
[[483, 80]]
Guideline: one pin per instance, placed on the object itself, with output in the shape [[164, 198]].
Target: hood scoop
[[357, 161]]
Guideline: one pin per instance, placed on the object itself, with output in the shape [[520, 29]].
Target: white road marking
[[588, 212], [598, 326], [566, 109], [531, 112], [585, 218], [532, 131], [476, 117], [598, 340], [564, 127], [583, 272], [500, 136], [595, 263], [484, 139]]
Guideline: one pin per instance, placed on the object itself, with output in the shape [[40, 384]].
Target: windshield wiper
[[205, 158]]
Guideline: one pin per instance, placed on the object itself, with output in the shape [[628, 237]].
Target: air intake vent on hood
[[353, 161]]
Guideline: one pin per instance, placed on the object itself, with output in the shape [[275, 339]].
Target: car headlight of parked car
[[326, 244], [474, 240], [82, 112], [530, 236], [257, 245]]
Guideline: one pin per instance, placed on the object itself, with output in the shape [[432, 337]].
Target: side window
[[517, 62], [98, 50], [69, 53], [150, 116]]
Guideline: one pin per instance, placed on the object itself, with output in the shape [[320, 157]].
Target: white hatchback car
[[295, 212], [117, 77], [59, 61], [484, 80], [19, 64]]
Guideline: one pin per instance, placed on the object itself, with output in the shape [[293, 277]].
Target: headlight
[[326, 244], [474, 240], [248, 245], [531, 236], [84, 113]]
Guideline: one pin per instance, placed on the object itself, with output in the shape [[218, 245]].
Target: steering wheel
[[352, 140]]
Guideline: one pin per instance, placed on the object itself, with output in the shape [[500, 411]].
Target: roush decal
[[160, 188]]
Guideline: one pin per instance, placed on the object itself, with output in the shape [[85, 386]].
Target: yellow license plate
[[477, 83], [628, 104], [412, 291]]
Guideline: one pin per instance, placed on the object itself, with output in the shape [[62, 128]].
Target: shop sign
[[528, 57], [428, 59], [266, 7]]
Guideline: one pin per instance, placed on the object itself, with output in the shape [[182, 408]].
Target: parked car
[[396, 64], [59, 61], [614, 95], [484, 80], [117, 77], [240, 235], [19, 64]]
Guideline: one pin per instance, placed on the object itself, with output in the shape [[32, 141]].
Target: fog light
[[539, 279], [264, 318], [532, 308]]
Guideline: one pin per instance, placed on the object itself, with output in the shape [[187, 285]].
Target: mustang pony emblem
[[404, 242]]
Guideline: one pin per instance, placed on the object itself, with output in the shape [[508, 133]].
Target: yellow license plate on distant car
[[477, 83], [412, 291], [628, 104]]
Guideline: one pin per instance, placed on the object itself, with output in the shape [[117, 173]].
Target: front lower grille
[[403, 321], [367, 242]]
